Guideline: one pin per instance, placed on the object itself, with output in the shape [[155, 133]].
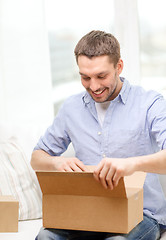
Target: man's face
[[100, 78]]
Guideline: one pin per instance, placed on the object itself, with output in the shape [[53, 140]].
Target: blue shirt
[[134, 125]]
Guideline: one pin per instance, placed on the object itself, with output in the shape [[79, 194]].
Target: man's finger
[[109, 178], [97, 171], [68, 169], [81, 166], [75, 168], [103, 175], [116, 179]]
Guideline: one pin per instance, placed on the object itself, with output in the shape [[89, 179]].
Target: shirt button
[[99, 133]]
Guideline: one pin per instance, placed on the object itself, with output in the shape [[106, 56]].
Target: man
[[117, 127]]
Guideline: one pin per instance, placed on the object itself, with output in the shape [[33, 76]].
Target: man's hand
[[110, 170], [41, 160], [69, 165]]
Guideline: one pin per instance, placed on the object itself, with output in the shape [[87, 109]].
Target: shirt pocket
[[128, 143]]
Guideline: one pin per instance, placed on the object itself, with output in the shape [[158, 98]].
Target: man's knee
[[51, 234], [116, 238], [43, 234]]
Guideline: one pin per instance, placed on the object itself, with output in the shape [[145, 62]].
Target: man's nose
[[94, 85]]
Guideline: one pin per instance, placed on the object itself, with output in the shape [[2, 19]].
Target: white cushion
[[18, 179], [26, 134]]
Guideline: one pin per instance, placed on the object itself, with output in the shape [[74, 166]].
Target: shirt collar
[[123, 95], [87, 98]]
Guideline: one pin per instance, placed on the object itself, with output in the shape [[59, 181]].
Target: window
[[153, 44], [67, 22]]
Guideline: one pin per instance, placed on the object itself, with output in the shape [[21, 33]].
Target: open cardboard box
[[73, 200]]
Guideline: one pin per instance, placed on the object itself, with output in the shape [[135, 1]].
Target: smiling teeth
[[97, 93]]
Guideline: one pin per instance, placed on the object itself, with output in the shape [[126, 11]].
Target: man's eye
[[85, 78], [101, 77]]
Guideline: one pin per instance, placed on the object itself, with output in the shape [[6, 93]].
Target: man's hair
[[98, 43]]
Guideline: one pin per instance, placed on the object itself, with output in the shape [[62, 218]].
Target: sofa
[[17, 178], [16, 145]]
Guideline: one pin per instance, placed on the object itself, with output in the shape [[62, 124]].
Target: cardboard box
[[73, 200], [9, 210]]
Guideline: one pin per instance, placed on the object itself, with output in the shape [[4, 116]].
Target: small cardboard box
[[73, 200], [9, 210]]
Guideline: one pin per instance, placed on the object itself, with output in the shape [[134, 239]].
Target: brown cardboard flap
[[136, 180], [76, 183]]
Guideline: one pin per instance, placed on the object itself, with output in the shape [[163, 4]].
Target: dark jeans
[[148, 229]]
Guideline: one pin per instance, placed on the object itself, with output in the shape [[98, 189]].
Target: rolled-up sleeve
[[55, 140], [157, 121]]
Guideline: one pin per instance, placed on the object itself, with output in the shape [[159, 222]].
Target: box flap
[[76, 183], [136, 180]]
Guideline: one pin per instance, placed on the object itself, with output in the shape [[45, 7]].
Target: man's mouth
[[99, 93]]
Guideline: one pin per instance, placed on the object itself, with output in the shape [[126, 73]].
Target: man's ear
[[119, 66]]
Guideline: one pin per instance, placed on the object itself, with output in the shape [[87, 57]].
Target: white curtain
[[25, 79], [127, 32]]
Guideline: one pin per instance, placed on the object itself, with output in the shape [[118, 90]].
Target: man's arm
[[41, 160], [110, 170]]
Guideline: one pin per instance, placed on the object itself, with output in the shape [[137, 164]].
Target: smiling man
[[118, 127], [100, 78]]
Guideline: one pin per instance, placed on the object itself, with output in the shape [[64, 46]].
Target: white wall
[[24, 63]]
